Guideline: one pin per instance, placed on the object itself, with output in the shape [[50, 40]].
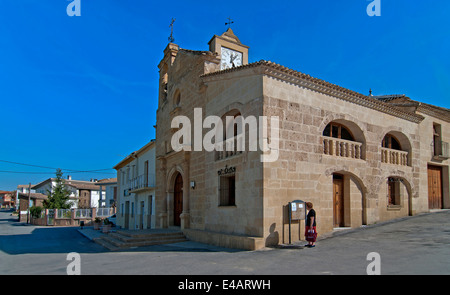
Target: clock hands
[[232, 58]]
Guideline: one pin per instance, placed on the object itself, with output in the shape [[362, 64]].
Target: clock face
[[230, 58]]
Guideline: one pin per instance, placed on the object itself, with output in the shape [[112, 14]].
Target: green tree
[[58, 198], [36, 211]]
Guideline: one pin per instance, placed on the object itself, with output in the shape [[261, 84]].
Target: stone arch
[[233, 109], [232, 106], [356, 128], [163, 80], [348, 171], [230, 143], [170, 191], [409, 185], [228, 128], [171, 175], [403, 139], [177, 98], [355, 194]]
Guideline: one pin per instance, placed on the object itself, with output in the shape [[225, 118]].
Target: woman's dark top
[[311, 213]]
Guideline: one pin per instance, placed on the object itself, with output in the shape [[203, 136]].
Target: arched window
[[177, 98], [339, 141], [163, 80], [337, 130], [390, 142], [396, 149], [233, 113], [230, 148], [393, 191]]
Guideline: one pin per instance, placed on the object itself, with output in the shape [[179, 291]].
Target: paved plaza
[[411, 245]]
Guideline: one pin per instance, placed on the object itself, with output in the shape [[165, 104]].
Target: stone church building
[[359, 159]]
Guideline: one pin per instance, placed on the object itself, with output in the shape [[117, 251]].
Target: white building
[[136, 189], [84, 194], [109, 187]]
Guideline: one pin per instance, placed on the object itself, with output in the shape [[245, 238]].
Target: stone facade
[[330, 151]]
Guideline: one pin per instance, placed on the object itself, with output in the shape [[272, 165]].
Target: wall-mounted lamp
[[192, 184]]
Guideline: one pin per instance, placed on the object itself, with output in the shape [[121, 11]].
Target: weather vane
[[171, 39], [230, 21]]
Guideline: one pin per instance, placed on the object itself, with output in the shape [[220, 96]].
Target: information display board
[[297, 210]]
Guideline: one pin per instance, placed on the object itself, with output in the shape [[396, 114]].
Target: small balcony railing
[[142, 182], [396, 157], [229, 149], [440, 150], [342, 148]]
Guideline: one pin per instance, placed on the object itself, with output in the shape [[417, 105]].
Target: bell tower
[[230, 50], [169, 56]]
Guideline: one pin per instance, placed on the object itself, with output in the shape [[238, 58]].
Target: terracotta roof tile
[[322, 86]]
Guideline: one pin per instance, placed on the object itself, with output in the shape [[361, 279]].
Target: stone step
[[106, 243], [114, 244], [149, 233], [125, 239], [142, 238]]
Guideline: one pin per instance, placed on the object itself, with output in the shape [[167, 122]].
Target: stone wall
[[303, 171], [308, 161]]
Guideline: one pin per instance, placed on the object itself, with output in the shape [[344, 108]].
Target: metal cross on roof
[[230, 21], [171, 39]]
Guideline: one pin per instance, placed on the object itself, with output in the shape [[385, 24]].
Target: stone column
[[163, 222], [185, 216]]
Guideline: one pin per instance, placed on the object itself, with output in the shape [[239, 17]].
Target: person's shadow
[[274, 238]]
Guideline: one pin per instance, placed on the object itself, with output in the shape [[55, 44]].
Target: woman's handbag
[[311, 234]]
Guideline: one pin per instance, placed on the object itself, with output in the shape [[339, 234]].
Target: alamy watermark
[[374, 267], [222, 137], [374, 8], [74, 267], [74, 8]]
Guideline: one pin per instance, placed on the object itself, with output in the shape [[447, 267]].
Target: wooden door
[[392, 191], [338, 201], [435, 187], [178, 200]]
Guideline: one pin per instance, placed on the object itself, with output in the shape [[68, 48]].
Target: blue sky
[[80, 93]]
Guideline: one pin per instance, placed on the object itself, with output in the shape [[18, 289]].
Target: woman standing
[[310, 227]]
